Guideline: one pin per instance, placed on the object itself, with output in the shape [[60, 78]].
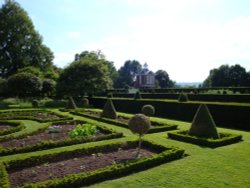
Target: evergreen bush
[[203, 124], [109, 110], [183, 97], [85, 102], [137, 95], [71, 103], [35, 103], [148, 110]]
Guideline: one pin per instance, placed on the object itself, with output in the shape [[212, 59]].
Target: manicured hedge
[[225, 139], [231, 116], [153, 129], [28, 114], [243, 98], [117, 170], [111, 134], [4, 179], [16, 126]]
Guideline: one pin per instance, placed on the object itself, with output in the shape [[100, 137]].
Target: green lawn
[[227, 166]]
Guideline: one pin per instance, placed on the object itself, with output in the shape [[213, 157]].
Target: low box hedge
[[165, 154], [153, 129], [225, 139], [110, 134], [16, 126], [4, 179], [29, 115]]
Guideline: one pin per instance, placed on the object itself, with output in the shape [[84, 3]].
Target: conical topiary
[[139, 124], [183, 97], [109, 110], [203, 124], [71, 103], [148, 110], [137, 95]]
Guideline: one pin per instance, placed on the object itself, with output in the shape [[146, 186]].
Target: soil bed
[[77, 164], [5, 127], [42, 136]]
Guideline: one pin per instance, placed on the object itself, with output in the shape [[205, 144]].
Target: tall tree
[[163, 79], [87, 75], [20, 44], [126, 74]]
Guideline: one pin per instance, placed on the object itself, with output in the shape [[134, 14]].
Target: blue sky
[[187, 38]]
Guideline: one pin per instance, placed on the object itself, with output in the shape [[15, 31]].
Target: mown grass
[[226, 166]]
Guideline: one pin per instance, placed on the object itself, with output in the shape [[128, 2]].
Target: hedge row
[[29, 115], [225, 139], [230, 116], [53, 144], [244, 98], [153, 129], [102, 174], [4, 179], [16, 126]]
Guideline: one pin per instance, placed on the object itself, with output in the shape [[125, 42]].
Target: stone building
[[145, 78]]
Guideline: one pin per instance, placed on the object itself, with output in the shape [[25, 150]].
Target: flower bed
[[122, 121], [37, 115], [81, 167], [225, 139], [54, 135], [7, 127]]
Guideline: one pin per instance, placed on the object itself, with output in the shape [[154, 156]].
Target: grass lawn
[[227, 166]]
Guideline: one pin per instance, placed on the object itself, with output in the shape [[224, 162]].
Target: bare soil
[[42, 136], [5, 127], [84, 163]]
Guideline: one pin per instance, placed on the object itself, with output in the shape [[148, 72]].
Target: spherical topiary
[[148, 110], [139, 124], [109, 110], [85, 102], [183, 97], [35, 103]]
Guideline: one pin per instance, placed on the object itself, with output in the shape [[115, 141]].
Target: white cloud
[[62, 59]]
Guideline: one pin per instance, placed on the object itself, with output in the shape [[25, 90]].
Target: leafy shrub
[[85, 102], [83, 130], [183, 97], [137, 95], [48, 87], [139, 124], [148, 110], [35, 103], [109, 110], [110, 95], [203, 124]]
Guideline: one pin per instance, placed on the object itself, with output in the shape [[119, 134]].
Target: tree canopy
[[20, 44], [163, 79], [226, 76], [88, 75]]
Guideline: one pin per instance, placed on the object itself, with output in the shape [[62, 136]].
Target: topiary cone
[[109, 110], [203, 124]]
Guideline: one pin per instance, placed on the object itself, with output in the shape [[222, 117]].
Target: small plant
[[139, 124], [109, 110], [35, 103], [83, 130], [54, 129], [148, 110], [183, 97]]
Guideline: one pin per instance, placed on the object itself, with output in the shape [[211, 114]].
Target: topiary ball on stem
[[148, 110], [139, 124]]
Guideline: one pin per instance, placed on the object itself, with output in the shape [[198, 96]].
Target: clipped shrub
[[110, 95], [148, 110], [85, 102], [35, 103], [183, 97], [71, 103], [109, 110], [139, 124], [203, 124], [137, 95]]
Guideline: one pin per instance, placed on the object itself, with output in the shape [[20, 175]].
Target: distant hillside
[[188, 84]]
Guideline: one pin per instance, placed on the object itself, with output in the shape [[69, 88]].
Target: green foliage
[[84, 130], [148, 110], [139, 124], [71, 103], [110, 95], [183, 97], [24, 84], [35, 103], [203, 124], [224, 139], [4, 178], [109, 110], [48, 87], [3, 87], [163, 79], [137, 95], [87, 75], [16, 126], [85, 102], [20, 44]]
